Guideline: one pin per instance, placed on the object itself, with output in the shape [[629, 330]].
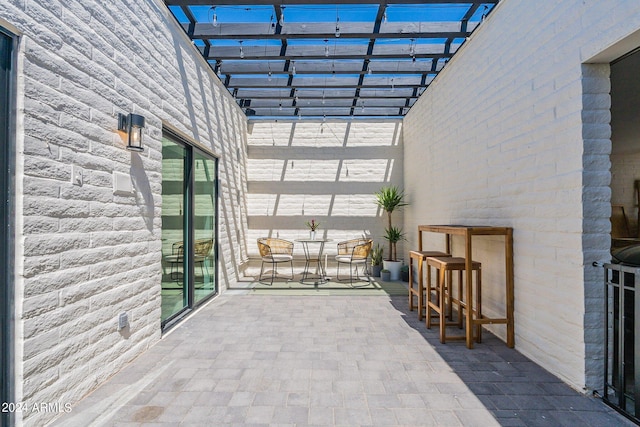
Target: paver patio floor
[[289, 360]]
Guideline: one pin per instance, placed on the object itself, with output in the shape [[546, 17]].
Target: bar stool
[[443, 303], [420, 257]]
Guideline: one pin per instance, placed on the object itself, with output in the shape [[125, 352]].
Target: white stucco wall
[[85, 254], [298, 171], [515, 132]]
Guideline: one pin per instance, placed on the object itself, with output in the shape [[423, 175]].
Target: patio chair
[[176, 259], [202, 251], [353, 252], [275, 251]]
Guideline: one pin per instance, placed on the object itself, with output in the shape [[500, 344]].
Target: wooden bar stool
[[444, 298], [420, 257]]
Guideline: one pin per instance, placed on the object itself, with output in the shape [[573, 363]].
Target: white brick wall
[[515, 132], [326, 171], [84, 254], [596, 210]]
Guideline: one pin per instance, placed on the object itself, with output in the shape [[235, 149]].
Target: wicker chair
[[202, 251], [275, 251], [353, 252]]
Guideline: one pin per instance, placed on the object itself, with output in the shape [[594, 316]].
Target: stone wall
[[515, 132], [84, 253]]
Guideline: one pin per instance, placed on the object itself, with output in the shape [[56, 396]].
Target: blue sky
[[321, 13], [328, 13]]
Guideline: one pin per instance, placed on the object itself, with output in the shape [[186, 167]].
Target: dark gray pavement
[[282, 360]]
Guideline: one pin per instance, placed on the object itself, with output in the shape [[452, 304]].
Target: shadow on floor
[[512, 387]]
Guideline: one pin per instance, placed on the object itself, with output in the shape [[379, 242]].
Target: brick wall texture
[[85, 254], [515, 132]]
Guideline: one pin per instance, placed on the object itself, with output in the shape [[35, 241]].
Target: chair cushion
[[347, 259], [277, 258]]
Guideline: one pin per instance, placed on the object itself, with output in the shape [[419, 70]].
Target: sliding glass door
[[174, 279], [204, 210], [189, 227]]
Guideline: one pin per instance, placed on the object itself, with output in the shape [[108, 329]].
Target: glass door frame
[[8, 49], [189, 226], [198, 155]]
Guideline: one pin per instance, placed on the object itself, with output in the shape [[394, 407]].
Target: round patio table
[[313, 255]]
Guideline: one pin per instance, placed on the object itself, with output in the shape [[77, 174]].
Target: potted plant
[[376, 260], [313, 225], [390, 199], [385, 274]]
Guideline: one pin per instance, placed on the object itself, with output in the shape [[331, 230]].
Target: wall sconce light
[[132, 124]]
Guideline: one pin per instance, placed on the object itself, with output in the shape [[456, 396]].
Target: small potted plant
[[313, 225], [376, 260], [385, 274]]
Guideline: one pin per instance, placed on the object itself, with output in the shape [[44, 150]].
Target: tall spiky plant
[[390, 199]]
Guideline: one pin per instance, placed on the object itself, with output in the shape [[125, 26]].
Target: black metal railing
[[622, 339]]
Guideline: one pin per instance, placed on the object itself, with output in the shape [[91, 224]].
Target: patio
[[131, 129], [248, 358]]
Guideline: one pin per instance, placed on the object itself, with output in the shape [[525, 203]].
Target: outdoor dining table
[[468, 232], [313, 256]]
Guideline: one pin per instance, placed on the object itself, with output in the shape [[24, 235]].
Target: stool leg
[[449, 291], [411, 285], [420, 289], [441, 298], [478, 304], [460, 315], [428, 289]]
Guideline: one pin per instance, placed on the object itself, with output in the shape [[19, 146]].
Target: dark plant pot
[[375, 270], [404, 275], [386, 276]]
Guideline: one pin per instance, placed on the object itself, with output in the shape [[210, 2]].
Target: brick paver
[[329, 360]]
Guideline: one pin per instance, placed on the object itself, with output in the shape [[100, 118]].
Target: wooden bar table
[[468, 231]]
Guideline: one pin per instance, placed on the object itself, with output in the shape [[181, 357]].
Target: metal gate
[[622, 338]]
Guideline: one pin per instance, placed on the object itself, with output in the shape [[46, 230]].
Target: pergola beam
[[348, 30], [322, 67], [316, 2], [228, 53]]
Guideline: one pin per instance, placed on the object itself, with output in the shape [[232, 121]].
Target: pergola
[[324, 58]]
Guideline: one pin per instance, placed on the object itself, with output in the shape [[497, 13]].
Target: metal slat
[[348, 30], [619, 280], [340, 52], [264, 70]]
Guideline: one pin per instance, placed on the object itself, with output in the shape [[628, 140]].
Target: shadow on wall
[[143, 192], [215, 122], [328, 172]]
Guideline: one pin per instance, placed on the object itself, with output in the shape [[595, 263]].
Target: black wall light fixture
[[132, 124]]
